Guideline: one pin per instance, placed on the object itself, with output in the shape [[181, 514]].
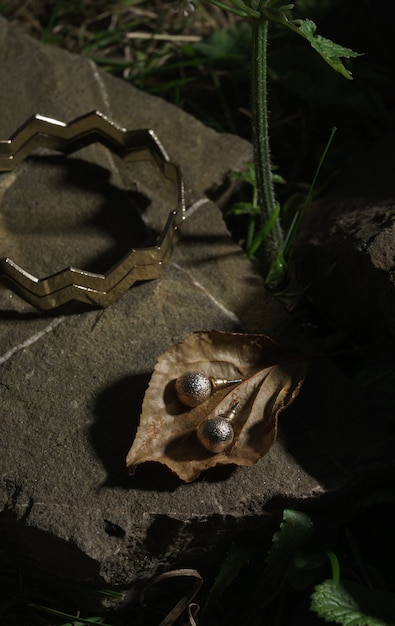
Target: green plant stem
[[334, 566], [263, 168]]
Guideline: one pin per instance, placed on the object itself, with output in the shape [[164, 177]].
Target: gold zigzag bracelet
[[139, 264]]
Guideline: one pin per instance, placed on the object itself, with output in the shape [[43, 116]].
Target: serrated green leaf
[[330, 51], [327, 49], [350, 604]]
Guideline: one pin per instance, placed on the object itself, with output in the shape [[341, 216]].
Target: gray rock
[[346, 250], [72, 381]]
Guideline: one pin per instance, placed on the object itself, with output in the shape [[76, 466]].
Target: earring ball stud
[[194, 388]]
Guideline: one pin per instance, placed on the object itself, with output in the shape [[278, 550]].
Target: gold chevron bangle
[[139, 264]]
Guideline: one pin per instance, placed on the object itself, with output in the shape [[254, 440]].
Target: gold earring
[[216, 433], [193, 388]]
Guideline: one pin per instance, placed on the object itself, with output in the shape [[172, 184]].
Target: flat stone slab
[[72, 381]]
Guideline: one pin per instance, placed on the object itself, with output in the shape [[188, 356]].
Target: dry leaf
[[186, 601], [271, 380]]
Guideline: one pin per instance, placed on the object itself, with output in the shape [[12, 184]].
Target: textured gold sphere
[[215, 434], [193, 388]]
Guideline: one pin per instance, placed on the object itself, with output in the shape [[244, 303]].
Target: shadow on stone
[[154, 477], [42, 556], [217, 474], [68, 309], [82, 218], [117, 411], [111, 210], [221, 246], [332, 431], [7, 314], [157, 477]]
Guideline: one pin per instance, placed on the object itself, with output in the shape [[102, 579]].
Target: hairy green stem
[[263, 168]]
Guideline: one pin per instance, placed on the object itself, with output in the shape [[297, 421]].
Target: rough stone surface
[[72, 382], [346, 251]]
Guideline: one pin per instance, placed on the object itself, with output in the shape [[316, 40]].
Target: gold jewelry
[[139, 264], [193, 388], [216, 433]]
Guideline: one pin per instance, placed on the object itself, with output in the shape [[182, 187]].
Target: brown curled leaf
[[271, 380], [185, 603]]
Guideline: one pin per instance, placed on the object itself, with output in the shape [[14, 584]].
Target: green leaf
[[294, 529], [243, 208], [326, 48], [247, 175], [237, 557], [329, 51], [278, 179], [350, 604]]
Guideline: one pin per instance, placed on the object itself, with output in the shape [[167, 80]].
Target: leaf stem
[[334, 561], [229, 9], [239, 8], [263, 168]]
